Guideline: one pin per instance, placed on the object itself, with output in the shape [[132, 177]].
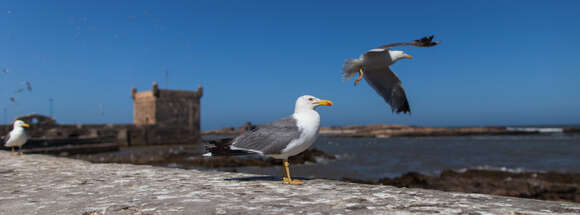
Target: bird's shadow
[[263, 178]]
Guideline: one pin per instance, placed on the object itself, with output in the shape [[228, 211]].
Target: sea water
[[375, 158]]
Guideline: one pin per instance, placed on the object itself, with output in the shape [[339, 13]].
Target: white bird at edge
[[17, 137], [286, 137], [374, 64]]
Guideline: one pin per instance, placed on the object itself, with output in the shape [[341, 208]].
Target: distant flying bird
[[17, 137], [286, 137], [5, 70], [12, 99], [374, 64], [28, 87]]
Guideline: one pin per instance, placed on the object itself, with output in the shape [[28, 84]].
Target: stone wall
[[144, 108], [176, 108], [87, 138], [40, 184], [167, 108], [69, 131]]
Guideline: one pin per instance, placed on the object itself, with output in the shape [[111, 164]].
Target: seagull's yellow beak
[[324, 102], [410, 57], [25, 125]]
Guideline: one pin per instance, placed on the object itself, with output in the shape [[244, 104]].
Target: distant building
[[167, 108]]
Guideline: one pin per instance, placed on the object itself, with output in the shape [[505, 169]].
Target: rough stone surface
[[40, 184]]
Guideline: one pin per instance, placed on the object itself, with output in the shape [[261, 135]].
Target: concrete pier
[[41, 184]]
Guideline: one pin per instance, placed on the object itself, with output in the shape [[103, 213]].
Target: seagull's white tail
[[350, 68]]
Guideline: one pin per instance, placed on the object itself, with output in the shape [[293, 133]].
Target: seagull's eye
[[310, 99]]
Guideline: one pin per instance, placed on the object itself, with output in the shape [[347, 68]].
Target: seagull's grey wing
[[269, 139], [423, 42], [387, 84], [6, 138]]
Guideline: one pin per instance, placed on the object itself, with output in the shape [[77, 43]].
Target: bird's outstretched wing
[[423, 42], [268, 139], [387, 85]]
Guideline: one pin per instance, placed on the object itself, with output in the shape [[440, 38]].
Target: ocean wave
[[343, 156], [540, 130], [497, 168]]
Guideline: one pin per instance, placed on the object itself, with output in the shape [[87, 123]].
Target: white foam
[[497, 168], [540, 130]]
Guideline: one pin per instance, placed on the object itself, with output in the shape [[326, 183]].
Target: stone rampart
[[41, 184]]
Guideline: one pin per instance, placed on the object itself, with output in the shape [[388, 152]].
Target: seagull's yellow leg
[[284, 170], [19, 150], [360, 75], [13, 153], [289, 179]]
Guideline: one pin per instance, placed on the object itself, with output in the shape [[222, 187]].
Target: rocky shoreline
[[388, 130], [534, 185], [185, 157], [385, 131]]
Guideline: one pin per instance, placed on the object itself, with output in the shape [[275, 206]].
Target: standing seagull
[[374, 64], [17, 137], [286, 137]]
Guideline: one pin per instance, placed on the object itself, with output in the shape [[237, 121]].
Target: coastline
[[393, 130]]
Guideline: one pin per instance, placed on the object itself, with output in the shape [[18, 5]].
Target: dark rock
[[411, 179], [545, 186], [572, 130]]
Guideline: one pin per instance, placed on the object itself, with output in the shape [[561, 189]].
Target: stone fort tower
[[167, 108]]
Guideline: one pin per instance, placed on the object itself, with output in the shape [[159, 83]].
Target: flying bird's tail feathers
[[350, 68]]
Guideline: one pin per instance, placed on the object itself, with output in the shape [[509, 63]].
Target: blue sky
[[500, 62]]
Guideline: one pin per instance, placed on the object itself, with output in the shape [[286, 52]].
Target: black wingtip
[[222, 148], [426, 41], [405, 109]]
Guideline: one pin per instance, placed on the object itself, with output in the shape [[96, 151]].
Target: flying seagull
[[286, 137], [12, 99], [28, 86], [17, 137], [374, 64]]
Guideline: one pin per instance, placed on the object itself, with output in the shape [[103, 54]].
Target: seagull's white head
[[308, 102], [20, 123], [397, 55]]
